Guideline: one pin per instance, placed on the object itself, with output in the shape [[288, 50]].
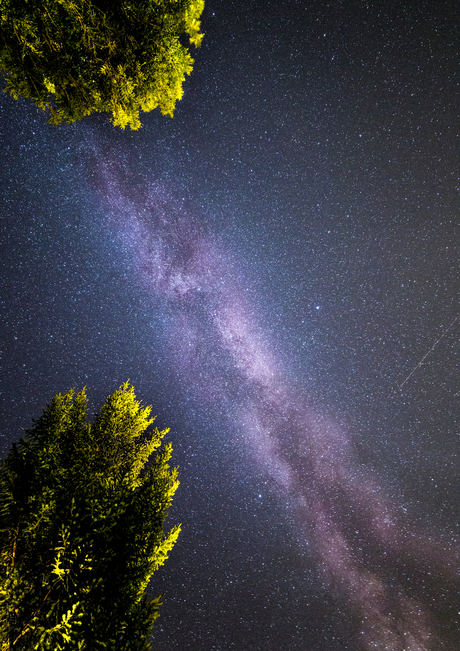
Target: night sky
[[268, 268]]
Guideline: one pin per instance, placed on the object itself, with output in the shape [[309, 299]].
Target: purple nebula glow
[[387, 572]]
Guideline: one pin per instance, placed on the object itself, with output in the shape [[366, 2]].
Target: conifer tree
[[75, 57], [82, 508]]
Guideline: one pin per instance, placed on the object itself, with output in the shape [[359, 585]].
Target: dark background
[[317, 144]]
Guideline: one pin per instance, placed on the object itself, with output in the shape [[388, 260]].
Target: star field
[[267, 268]]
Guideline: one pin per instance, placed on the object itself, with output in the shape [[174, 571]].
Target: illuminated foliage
[[82, 508], [75, 57]]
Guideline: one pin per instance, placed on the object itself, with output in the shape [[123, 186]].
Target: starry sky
[[270, 269]]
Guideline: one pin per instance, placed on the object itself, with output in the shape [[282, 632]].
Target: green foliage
[[75, 57], [82, 508]]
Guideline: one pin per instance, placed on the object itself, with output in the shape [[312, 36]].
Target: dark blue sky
[[267, 268]]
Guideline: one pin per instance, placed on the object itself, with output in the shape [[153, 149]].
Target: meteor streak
[[430, 351]]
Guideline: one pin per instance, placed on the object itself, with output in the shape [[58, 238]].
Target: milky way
[[276, 269], [398, 583]]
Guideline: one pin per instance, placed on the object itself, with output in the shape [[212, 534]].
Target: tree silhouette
[[75, 57], [82, 508]]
